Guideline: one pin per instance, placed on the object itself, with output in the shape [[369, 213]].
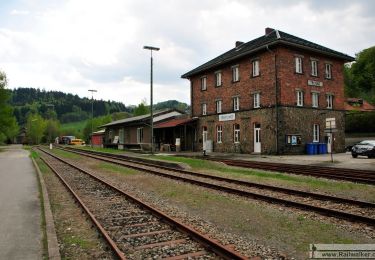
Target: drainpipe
[[276, 100]]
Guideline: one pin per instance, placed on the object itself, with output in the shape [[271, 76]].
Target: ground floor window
[[316, 133], [236, 128], [140, 135], [219, 133]]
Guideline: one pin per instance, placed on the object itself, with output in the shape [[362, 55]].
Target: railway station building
[[271, 95], [173, 130]]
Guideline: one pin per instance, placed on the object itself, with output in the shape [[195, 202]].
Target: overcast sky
[[76, 45]]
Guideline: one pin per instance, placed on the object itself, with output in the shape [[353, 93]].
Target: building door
[[257, 140], [204, 137], [329, 142]]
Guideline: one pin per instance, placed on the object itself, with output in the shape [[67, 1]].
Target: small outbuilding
[[97, 138]]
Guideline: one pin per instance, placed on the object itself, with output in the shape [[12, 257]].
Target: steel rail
[[209, 243], [235, 181], [104, 233], [324, 211]]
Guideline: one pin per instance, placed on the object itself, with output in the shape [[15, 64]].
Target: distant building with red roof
[[358, 104]]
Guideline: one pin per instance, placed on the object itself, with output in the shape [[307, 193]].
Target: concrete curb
[[53, 245]]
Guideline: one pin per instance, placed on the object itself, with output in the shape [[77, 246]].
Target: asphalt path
[[20, 220]]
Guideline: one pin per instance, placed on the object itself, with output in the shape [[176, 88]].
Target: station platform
[[20, 212]]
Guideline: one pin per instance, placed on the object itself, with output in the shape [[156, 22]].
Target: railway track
[[352, 175], [132, 228], [343, 208]]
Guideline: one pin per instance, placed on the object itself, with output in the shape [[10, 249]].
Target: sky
[[77, 45]]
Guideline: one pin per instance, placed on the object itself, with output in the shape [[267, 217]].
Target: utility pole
[[92, 112], [151, 96]]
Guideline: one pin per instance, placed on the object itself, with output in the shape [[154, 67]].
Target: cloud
[[76, 45]]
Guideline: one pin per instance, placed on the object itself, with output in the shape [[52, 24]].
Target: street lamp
[[92, 112], [151, 100]]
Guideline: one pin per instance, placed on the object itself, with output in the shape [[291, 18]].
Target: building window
[[204, 109], [255, 68], [140, 135], [316, 133], [235, 74], [236, 133], [219, 133], [299, 98], [256, 100], [218, 106], [236, 103], [203, 83], [298, 64], [315, 99], [328, 71], [218, 78], [314, 68], [329, 101]]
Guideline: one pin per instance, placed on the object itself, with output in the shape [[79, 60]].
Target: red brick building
[[270, 95]]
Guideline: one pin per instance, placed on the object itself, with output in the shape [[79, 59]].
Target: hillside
[[55, 104], [68, 108]]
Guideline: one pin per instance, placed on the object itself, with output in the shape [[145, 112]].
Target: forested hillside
[[59, 105]]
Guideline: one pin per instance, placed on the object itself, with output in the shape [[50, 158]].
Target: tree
[[35, 128], [360, 76], [141, 109], [8, 123], [52, 130], [96, 122]]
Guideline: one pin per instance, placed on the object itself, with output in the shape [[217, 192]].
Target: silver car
[[364, 148]]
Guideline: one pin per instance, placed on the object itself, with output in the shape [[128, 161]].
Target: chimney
[[269, 30], [238, 43]]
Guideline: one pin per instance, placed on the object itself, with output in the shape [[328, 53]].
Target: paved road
[[20, 228]]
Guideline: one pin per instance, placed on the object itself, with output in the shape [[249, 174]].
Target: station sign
[[227, 117], [314, 83]]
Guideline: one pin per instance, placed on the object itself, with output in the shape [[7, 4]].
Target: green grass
[[115, 168], [106, 150], [257, 175], [73, 240], [73, 128], [65, 154]]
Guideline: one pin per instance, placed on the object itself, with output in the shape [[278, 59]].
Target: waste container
[[315, 148], [322, 148], [309, 148]]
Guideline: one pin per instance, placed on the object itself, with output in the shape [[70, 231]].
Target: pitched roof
[[158, 116], [175, 122], [358, 104], [270, 39]]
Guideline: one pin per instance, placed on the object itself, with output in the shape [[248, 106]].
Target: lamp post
[[92, 112], [151, 96]]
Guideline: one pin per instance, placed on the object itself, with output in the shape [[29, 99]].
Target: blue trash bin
[[322, 148], [309, 148], [315, 148]]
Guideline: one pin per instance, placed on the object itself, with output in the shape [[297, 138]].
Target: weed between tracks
[[361, 191], [116, 168]]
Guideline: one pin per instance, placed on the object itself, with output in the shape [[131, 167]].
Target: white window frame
[[328, 71], [204, 109], [218, 106], [330, 101], [218, 79], [315, 99], [204, 83], [256, 100], [299, 98], [314, 68], [235, 73], [298, 65], [316, 133], [236, 103], [236, 133], [139, 135], [219, 134], [255, 67]]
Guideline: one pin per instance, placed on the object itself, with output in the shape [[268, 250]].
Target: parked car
[[364, 148], [77, 142]]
